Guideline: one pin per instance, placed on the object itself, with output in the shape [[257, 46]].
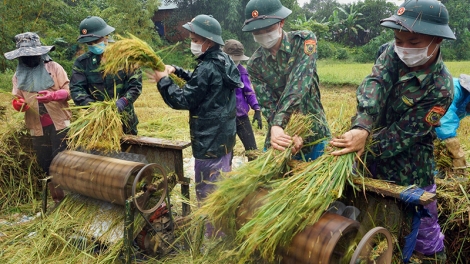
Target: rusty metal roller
[[99, 177]]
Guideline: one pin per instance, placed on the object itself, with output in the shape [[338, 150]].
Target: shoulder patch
[[434, 115], [310, 46]]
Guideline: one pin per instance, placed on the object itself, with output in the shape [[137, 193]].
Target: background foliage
[[346, 32]]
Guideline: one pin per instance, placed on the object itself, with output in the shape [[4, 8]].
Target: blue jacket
[[451, 120]]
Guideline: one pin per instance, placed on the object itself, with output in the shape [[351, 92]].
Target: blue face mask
[[97, 48]]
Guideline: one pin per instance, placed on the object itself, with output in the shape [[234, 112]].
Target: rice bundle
[[19, 171], [97, 127], [295, 202], [220, 206], [128, 54]]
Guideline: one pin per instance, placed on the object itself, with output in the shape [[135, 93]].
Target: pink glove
[[46, 96]]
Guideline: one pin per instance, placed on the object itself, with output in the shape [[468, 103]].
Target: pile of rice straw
[[98, 126], [297, 196], [127, 54], [79, 230], [19, 171]]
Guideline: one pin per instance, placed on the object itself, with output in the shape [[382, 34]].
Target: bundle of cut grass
[[128, 54], [221, 205], [97, 127], [19, 171], [79, 230]]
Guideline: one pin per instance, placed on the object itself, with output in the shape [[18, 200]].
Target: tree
[[350, 25]]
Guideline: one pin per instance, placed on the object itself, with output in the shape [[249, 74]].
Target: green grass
[[336, 73]]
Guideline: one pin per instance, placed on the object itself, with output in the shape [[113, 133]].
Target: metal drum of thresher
[[99, 177], [326, 241]]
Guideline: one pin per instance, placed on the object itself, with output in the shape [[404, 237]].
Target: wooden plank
[[389, 189], [155, 142]]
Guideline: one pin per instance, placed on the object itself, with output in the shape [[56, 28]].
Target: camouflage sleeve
[[302, 77], [134, 86], [267, 106], [372, 93], [78, 85], [416, 123]]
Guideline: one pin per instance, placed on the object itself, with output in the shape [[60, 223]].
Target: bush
[[326, 50], [342, 54]]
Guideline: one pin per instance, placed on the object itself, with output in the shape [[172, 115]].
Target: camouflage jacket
[[88, 84], [400, 108], [289, 82], [209, 95]]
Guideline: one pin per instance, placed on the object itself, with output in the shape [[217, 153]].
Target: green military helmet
[[93, 28], [206, 26], [263, 13], [429, 17]]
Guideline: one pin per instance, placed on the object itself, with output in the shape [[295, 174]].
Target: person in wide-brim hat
[[28, 44]]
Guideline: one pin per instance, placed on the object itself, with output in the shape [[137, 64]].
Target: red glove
[[46, 96], [19, 104]]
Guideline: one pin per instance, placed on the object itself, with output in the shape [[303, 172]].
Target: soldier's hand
[[352, 141]]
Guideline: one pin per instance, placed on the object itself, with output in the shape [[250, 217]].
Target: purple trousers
[[208, 171], [430, 239]]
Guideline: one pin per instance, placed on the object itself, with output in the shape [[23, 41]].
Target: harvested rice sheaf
[[128, 54], [97, 127], [19, 171]]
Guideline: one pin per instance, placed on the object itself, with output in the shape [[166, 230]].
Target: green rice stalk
[[293, 203], [128, 54], [97, 127], [221, 205]]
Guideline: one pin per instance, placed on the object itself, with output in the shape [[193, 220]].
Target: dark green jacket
[[209, 95], [87, 84]]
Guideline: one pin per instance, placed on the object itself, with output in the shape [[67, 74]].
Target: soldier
[[283, 73], [450, 122], [88, 84], [209, 95], [400, 103], [246, 97], [41, 90]]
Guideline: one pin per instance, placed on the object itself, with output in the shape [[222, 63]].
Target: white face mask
[[196, 49], [236, 62], [269, 39], [414, 57]]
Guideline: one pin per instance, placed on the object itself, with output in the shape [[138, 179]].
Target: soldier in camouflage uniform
[[88, 84], [399, 105], [283, 73]]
